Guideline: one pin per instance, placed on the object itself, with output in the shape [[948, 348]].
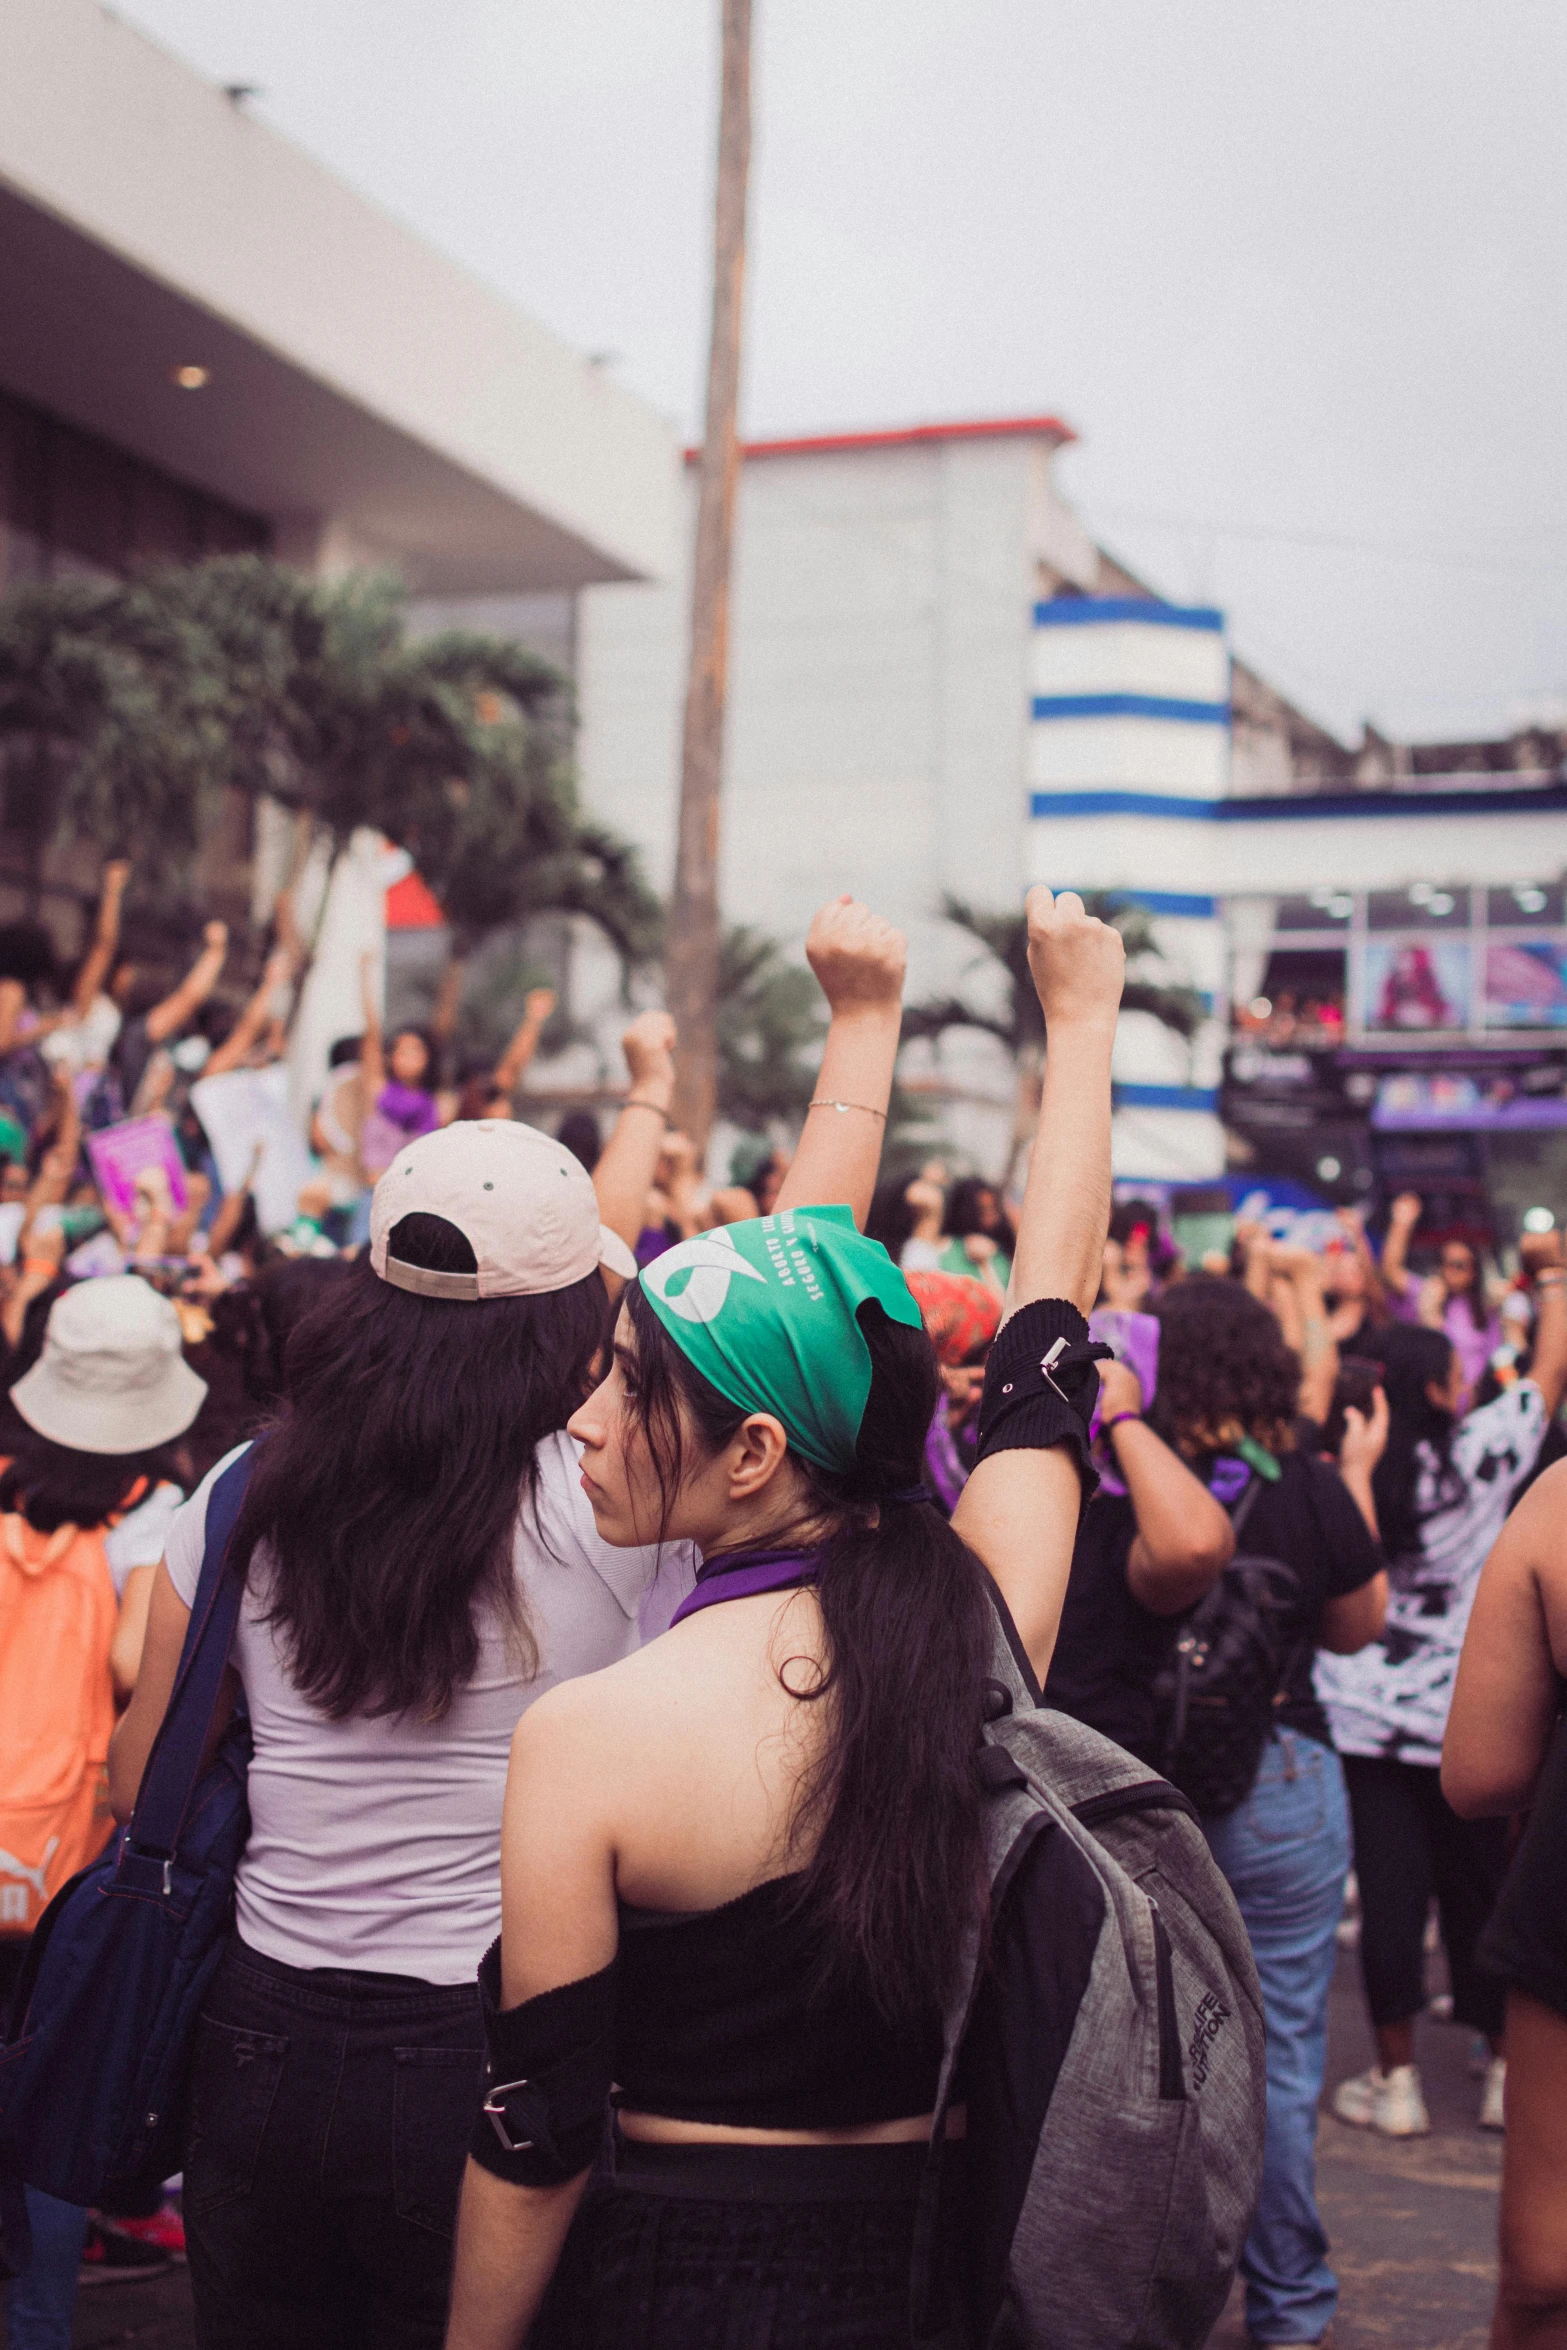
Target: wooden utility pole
[[691, 963]]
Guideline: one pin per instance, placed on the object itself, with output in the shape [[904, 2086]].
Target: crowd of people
[[611, 1617]]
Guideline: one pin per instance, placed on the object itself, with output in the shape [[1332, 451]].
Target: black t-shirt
[[1110, 1647], [1526, 1940]]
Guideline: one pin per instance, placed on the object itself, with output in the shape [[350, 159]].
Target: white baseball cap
[[523, 1202], [112, 1376]]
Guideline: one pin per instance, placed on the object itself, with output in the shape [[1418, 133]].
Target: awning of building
[[366, 394]]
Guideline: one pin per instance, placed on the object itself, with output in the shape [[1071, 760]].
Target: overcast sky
[[1293, 269]]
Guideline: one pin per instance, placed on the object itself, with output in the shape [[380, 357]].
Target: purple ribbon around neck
[[743, 1574], [1229, 1480]]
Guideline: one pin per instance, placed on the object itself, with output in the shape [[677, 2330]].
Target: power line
[[1341, 542]]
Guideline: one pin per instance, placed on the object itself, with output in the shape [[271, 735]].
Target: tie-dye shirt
[[1392, 1698]]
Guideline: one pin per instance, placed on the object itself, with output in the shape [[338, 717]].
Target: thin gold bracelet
[[634, 1102], [865, 1107]]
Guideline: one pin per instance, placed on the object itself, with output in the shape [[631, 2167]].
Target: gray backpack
[[1108, 2044]]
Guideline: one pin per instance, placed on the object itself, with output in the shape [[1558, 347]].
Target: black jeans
[[330, 2118], [1409, 1844]]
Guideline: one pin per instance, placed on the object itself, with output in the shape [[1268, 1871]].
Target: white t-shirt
[[140, 1538], [375, 1843], [84, 1044], [1392, 1698]]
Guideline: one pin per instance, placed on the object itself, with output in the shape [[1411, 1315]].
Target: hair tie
[[911, 1496]]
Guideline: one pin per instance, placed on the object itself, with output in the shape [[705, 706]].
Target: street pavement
[[1413, 2224]]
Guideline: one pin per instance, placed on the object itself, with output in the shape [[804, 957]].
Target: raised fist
[[649, 1045], [856, 956], [1078, 962], [1406, 1211]]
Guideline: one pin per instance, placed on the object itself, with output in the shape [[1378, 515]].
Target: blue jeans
[[1285, 1853], [40, 2304]]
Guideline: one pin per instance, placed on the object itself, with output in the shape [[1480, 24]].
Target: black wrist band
[[1041, 1385]]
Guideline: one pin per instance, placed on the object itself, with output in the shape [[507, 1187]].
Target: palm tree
[[1021, 1026], [130, 710]]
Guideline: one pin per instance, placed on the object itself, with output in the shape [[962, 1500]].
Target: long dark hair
[[1474, 1297], [53, 1485], [1224, 1370], [891, 1219], [1412, 1359], [254, 1320], [966, 1210], [894, 1800], [387, 1492]]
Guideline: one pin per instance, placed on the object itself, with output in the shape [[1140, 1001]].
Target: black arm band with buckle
[[1041, 1385], [547, 2077]]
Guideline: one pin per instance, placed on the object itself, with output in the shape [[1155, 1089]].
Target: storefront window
[[1527, 902], [1413, 985], [1422, 907], [1525, 983]]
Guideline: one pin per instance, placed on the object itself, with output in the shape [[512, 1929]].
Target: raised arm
[[52, 1183], [106, 939], [1404, 1215], [372, 1059], [248, 1028], [169, 1017], [629, 1160], [1299, 1271], [1019, 1510], [1507, 1691], [1184, 1538], [514, 1060], [859, 963]]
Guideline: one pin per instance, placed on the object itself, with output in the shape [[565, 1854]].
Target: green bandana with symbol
[[766, 1310]]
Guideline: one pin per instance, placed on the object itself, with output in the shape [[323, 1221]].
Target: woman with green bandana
[[420, 1566], [736, 1868]]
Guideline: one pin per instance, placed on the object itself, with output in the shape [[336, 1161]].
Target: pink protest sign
[[120, 1153]]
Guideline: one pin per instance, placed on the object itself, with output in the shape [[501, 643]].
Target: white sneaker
[[1389, 2102], [1493, 2098]]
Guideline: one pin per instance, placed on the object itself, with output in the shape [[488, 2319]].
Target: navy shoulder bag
[[95, 2054]]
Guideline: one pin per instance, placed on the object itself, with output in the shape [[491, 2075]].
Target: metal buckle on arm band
[[495, 2110]]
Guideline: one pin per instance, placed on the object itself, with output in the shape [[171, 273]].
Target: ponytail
[[892, 1803]]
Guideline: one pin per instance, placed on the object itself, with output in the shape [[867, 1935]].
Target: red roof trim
[[1000, 428]]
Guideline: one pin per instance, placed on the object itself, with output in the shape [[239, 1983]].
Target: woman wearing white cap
[[422, 1564], [107, 1397]]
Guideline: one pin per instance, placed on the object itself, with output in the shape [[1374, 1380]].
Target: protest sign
[[121, 1153], [246, 1118]]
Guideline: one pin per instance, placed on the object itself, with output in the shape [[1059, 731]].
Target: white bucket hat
[[525, 1205], [112, 1376]]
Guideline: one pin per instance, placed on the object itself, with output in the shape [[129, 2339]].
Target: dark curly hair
[[1224, 1370]]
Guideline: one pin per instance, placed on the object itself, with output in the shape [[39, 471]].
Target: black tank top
[[717, 2022]]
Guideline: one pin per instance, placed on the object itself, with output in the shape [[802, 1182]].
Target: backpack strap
[[174, 1764], [1243, 1508]]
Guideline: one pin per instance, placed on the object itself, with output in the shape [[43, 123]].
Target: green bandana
[[765, 1310]]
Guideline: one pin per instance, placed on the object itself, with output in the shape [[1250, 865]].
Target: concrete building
[[925, 640], [211, 343], [941, 686]]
